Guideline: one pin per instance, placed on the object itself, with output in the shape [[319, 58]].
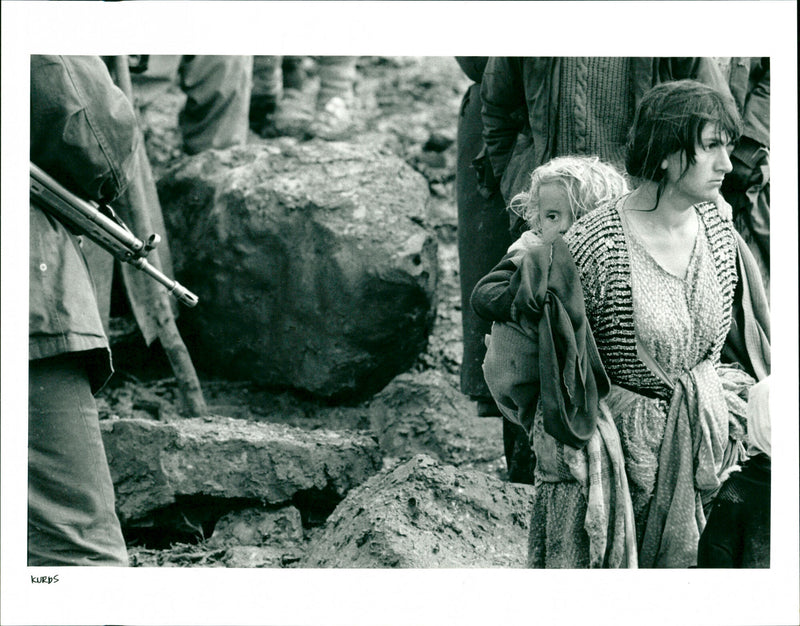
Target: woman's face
[[702, 180]]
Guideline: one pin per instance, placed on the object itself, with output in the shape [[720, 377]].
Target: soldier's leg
[[217, 89], [71, 515], [334, 116]]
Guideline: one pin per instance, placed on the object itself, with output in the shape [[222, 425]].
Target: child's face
[[555, 214]]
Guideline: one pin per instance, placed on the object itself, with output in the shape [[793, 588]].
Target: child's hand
[[724, 208]]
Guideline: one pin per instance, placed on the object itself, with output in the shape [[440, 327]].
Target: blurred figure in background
[[277, 79], [217, 89], [747, 186], [277, 105]]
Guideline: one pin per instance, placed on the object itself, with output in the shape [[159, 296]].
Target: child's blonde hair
[[589, 182]]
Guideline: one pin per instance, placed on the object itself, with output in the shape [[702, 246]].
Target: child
[[737, 533], [561, 191]]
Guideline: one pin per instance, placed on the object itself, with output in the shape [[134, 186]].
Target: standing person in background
[[83, 133], [747, 186], [277, 105], [482, 239], [217, 89], [333, 116]]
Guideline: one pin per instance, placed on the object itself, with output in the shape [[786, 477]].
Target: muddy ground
[[403, 104]]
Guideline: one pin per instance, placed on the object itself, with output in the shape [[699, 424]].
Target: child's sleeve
[[494, 294], [492, 297]]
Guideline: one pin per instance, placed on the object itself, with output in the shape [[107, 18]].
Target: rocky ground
[[426, 431]]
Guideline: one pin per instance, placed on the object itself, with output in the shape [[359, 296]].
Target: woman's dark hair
[[671, 118]]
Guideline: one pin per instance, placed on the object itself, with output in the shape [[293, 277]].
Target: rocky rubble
[[152, 463], [256, 537], [422, 413], [424, 514]]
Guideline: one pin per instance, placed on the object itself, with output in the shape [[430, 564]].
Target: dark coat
[[737, 534], [83, 133]]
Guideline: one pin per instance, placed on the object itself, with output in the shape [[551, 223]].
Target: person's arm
[[503, 109], [83, 128], [473, 67], [748, 340], [492, 297]]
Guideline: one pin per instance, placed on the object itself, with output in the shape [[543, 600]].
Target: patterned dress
[[676, 320], [656, 332]]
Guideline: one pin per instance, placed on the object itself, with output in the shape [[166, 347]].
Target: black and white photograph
[[320, 337]]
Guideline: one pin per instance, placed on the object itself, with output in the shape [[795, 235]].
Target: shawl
[[571, 375], [759, 431], [702, 444], [609, 519], [512, 374], [748, 341]]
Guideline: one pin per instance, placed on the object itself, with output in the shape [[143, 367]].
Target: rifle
[[101, 225]]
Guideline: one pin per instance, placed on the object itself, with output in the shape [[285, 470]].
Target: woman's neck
[[672, 211]]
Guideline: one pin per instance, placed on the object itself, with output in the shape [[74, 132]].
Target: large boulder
[[423, 514], [153, 463], [312, 262]]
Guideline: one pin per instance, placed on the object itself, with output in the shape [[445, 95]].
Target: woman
[[664, 279]]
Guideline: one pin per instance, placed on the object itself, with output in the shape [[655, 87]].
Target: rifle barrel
[[110, 235], [173, 286], [50, 191]]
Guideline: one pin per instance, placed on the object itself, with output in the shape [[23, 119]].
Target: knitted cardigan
[[595, 107], [598, 245]]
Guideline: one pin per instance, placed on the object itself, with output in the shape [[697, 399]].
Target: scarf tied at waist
[[703, 442]]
